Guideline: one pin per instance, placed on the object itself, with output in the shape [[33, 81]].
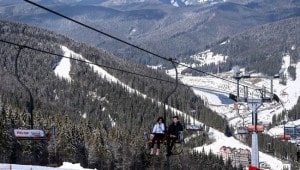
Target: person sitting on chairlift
[[173, 134], [158, 135]]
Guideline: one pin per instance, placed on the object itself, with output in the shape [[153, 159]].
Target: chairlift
[[30, 134], [242, 130], [270, 148], [194, 127], [177, 148], [284, 137], [27, 134]]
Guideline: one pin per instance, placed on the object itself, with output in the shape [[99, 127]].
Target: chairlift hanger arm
[[30, 104], [171, 92]]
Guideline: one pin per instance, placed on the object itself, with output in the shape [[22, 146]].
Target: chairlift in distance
[[193, 126], [270, 148], [284, 137], [242, 130], [30, 134]]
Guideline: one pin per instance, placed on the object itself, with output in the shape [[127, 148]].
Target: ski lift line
[[123, 41], [108, 67]]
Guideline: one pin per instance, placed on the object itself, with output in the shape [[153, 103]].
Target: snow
[[63, 68], [208, 57], [215, 94], [68, 165], [222, 140], [174, 3], [65, 166], [65, 73]]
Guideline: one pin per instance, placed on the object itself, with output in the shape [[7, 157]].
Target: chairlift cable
[[100, 65], [126, 42], [123, 41]]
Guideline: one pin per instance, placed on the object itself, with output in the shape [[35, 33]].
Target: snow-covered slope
[[65, 166], [215, 93]]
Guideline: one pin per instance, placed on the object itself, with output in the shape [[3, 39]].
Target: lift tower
[[253, 104]]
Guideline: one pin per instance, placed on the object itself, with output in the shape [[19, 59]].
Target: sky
[[215, 94]]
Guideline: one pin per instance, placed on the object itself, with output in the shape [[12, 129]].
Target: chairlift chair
[[148, 138], [242, 130], [194, 127], [270, 148], [30, 134], [27, 134], [284, 137], [177, 148]]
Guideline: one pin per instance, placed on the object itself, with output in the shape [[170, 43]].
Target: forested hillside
[[255, 48], [80, 109]]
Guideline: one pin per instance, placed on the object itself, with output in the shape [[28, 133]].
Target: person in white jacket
[[158, 134]]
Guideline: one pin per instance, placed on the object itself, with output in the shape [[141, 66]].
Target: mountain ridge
[[163, 29]]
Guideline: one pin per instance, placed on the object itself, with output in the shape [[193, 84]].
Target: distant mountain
[[176, 3], [255, 48], [156, 26]]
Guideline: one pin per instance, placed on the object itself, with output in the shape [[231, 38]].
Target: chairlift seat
[[194, 127], [29, 134], [242, 130], [284, 137], [164, 141]]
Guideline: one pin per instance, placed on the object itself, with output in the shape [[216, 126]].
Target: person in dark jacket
[[173, 134]]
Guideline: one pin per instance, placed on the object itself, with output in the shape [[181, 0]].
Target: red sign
[[253, 168], [29, 133]]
